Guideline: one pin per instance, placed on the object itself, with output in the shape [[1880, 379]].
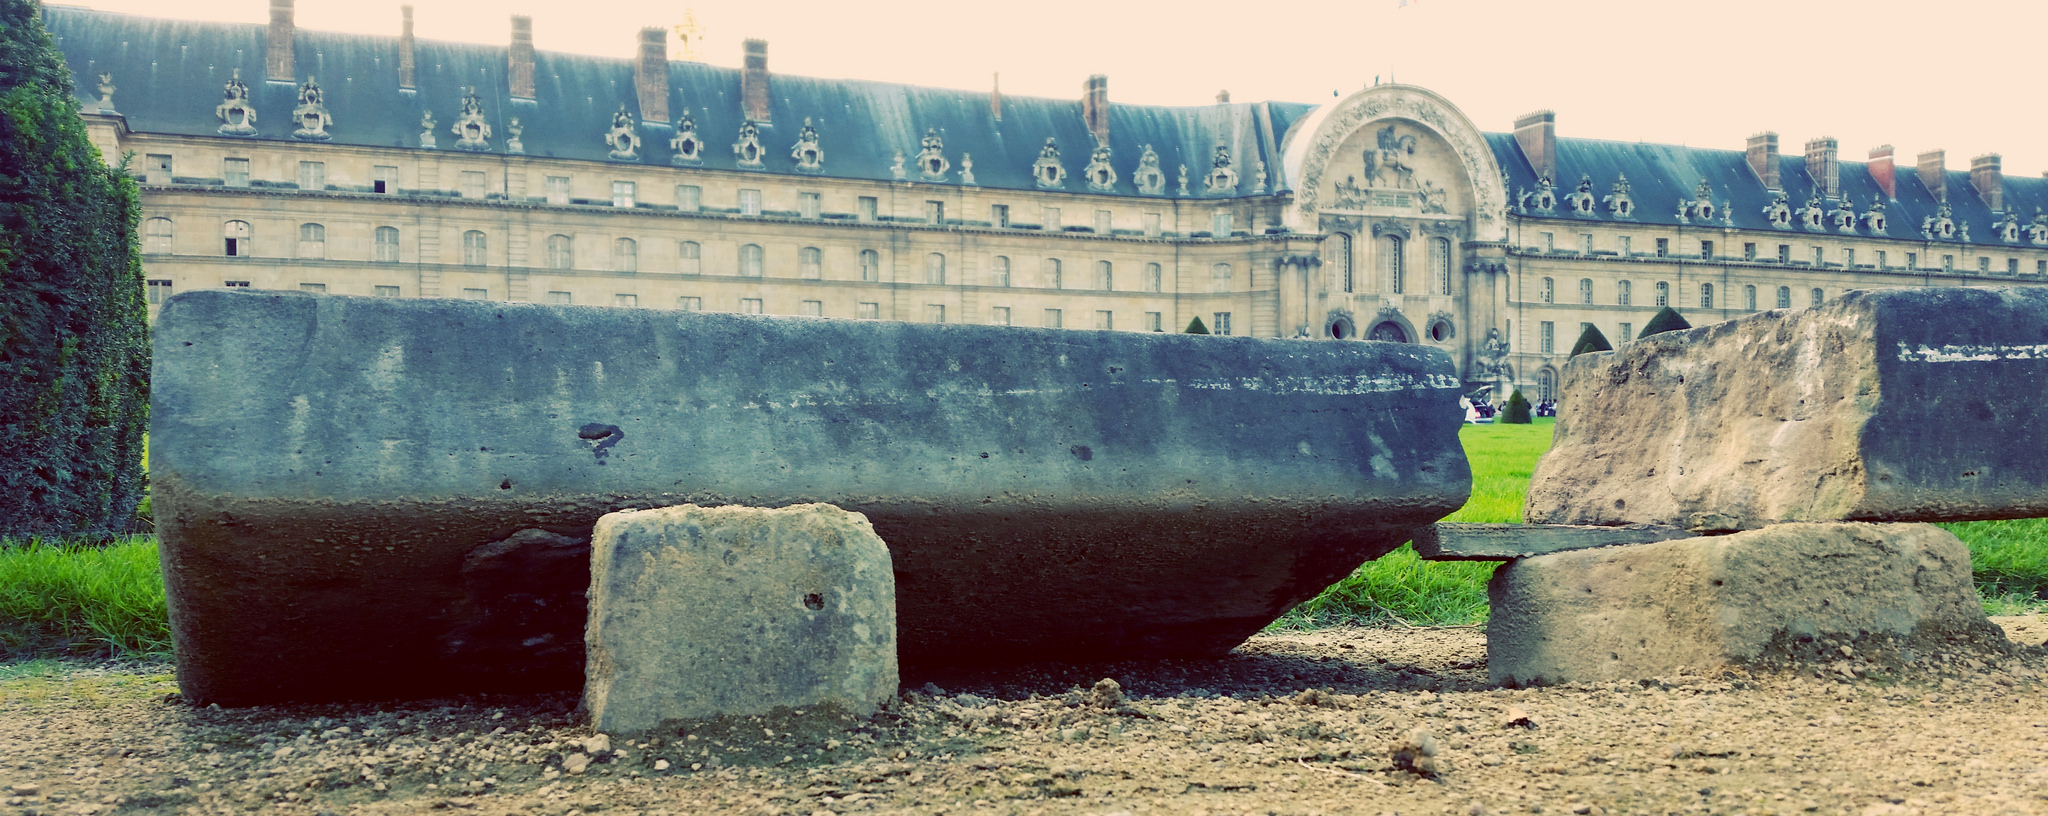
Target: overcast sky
[[1960, 75]]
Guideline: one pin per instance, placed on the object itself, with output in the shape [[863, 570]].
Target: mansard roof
[[170, 75]]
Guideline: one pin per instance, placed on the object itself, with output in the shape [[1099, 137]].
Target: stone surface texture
[[1462, 541], [390, 498], [1895, 405], [700, 612], [1699, 604]]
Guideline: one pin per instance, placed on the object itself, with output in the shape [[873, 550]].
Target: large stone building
[[282, 158]]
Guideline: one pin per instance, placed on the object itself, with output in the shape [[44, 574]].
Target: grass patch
[[60, 599]]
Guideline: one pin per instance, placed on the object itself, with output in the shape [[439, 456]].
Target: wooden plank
[[1505, 542]]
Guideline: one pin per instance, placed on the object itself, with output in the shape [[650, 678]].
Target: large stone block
[[1896, 405], [731, 611], [364, 497], [1701, 604]]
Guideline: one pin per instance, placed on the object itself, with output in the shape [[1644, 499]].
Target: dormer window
[[1779, 213]]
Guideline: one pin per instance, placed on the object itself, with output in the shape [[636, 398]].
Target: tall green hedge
[[1516, 411], [1666, 319], [74, 336]]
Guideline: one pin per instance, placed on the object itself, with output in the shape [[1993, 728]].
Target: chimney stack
[[1223, 97], [1537, 134], [1934, 173], [650, 75], [1824, 164], [1884, 172], [519, 71], [1763, 158], [995, 98], [754, 81], [278, 64], [1988, 176], [1095, 107], [405, 62]]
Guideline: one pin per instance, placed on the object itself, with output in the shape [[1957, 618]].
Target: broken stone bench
[[366, 498]]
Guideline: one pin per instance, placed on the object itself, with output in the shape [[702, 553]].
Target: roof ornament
[[2037, 233], [809, 157], [1844, 216], [106, 104], [2009, 229], [967, 168], [1047, 171], [1701, 207], [1543, 199], [1580, 202], [746, 148], [1149, 179], [234, 109], [427, 129], [1259, 178], [311, 114], [1942, 224], [472, 131], [624, 137], [689, 149], [1184, 180], [1618, 201], [1778, 213], [896, 170], [1221, 178], [1873, 218], [1101, 176], [931, 156], [1813, 216]]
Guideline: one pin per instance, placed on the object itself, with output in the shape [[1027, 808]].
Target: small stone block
[[701, 612], [1698, 605], [1456, 541]]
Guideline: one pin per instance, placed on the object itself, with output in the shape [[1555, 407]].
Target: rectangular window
[[312, 175], [235, 172], [157, 169], [690, 304], [1585, 243], [625, 301], [622, 194], [999, 216], [1153, 276], [1819, 256], [384, 179], [1706, 296], [810, 205], [2041, 267], [1784, 253], [158, 290], [750, 202], [1663, 247], [1983, 263], [750, 305], [1222, 323], [1151, 223], [1546, 337], [560, 298], [1627, 332], [316, 288], [1219, 224], [867, 208], [1627, 241], [1707, 250], [935, 313], [476, 294], [868, 311], [870, 265], [1585, 290], [1848, 258], [813, 308], [1103, 223], [689, 258], [689, 198], [1105, 320], [1912, 260], [1948, 263], [935, 212], [472, 184], [1882, 259], [1154, 321], [999, 316], [1818, 296], [1548, 240], [558, 190], [1052, 219], [1053, 319], [386, 291], [1749, 252]]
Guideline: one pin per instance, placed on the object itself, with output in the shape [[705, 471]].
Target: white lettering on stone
[[1971, 353], [1335, 385]]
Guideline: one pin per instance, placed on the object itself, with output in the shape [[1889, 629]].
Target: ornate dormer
[[311, 114], [2009, 229], [426, 129], [1778, 213], [624, 137], [1221, 178], [1543, 199], [1580, 202], [471, 131], [1844, 216], [234, 110], [931, 156], [1813, 216], [1148, 178], [1618, 202], [746, 147], [688, 146], [1101, 176], [1873, 218], [1940, 225], [809, 157], [1047, 172], [2037, 232], [1701, 207], [512, 131]]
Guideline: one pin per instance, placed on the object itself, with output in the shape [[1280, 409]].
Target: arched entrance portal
[[1388, 332]]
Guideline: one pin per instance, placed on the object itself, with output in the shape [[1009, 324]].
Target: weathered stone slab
[[1460, 541], [1701, 604], [1897, 405], [363, 498], [733, 611]]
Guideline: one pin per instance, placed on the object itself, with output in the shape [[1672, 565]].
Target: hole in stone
[[505, 485], [814, 601], [731, 558]]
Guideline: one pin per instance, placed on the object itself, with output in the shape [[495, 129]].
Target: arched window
[[1624, 292], [1392, 269], [561, 252], [1340, 262], [750, 261], [1749, 297], [312, 241], [387, 245], [1549, 291], [999, 271], [1784, 297], [237, 235], [1663, 293], [1586, 290], [1818, 296], [870, 265], [935, 268], [1440, 266], [1105, 276], [1153, 276], [1219, 277], [1706, 296], [812, 263], [156, 235], [1546, 385], [474, 248], [689, 258], [625, 255], [1052, 273]]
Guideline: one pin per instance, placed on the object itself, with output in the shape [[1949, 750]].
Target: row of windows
[[1848, 259], [1624, 294], [1393, 265]]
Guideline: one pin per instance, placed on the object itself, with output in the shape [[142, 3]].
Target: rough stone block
[[1459, 541], [1701, 604], [715, 611], [386, 498], [1896, 405]]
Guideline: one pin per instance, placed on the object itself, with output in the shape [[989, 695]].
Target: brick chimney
[[405, 61], [754, 81], [1824, 164], [278, 64], [1223, 97], [1095, 106], [650, 75], [1934, 173], [519, 68], [995, 98], [1883, 171], [1763, 158], [1537, 134], [1988, 176]]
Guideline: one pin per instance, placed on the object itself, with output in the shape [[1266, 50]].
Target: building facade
[[274, 157]]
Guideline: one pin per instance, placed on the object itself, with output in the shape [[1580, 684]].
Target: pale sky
[[1959, 75]]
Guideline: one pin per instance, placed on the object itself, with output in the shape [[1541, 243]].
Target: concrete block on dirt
[[1895, 405], [1753, 598], [712, 611], [384, 498]]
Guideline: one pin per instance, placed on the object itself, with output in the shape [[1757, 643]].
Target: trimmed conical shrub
[[74, 335], [1667, 319], [1195, 327], [1516, 412], [1591, 340]]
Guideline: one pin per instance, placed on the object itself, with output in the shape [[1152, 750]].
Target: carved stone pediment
[[1373, 108], [235, 112], [1778, 213], [746, 147], [1046, 172], [311, 114], [1101, 176], [688, 147], [1543, 199], [472, 131], [624, 136], [1580, 202], [931, 156], [1618, 201], [1380, 228], [1221, 179], [810, 158], [1148, 178]]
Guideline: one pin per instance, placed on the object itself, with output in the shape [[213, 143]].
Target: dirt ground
[[1339, 721]]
